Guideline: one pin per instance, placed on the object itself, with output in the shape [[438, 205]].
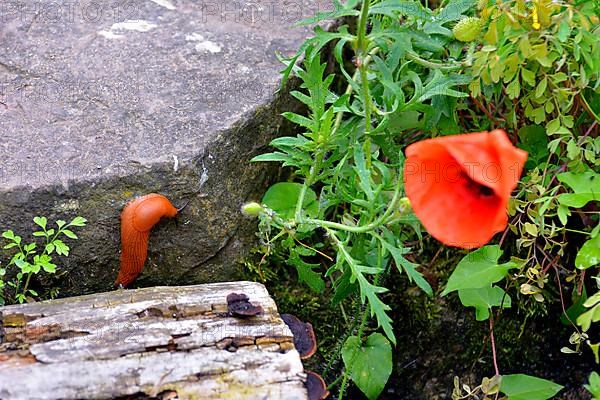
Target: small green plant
[[28, 260], [594, 386]]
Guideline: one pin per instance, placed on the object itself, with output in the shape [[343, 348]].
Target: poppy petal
[[459, 185]]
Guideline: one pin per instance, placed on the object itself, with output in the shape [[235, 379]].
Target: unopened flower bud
[[404, 206], [252, 209]]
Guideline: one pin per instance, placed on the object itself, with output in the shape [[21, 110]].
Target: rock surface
[[101, 102]]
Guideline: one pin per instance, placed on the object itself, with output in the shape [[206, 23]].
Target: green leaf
[[528, 76], [409, 267], [585, 185], [369, 365], [563, 214], [525, 387], [393, 8], [8, 235], [483, 299], [275, 156], [589, 254], [69, 234], [282, 198], [586, 319], [478, 269], [576, 309], [29, 247], [575, 200], [513, 89], [454, 10], [340, 11], [440, 84], [305, 271], [299, 120], [534, 140], [49, 248], [541, 88], [60, 223], [41, 221], [78, 221], [363, 173], [594, 386], [61, 248], [581, 183]]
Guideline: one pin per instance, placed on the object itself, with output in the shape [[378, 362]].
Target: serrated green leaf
[[409, 267], [369, 364], [525, 387], [365, 181], [305, 271], [61, 248]]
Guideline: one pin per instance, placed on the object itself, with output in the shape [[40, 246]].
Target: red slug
[[137, 219]]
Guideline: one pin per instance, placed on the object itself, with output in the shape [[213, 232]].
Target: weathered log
[[157, 342]]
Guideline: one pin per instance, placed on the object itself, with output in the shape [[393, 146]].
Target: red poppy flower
[[459, 186]]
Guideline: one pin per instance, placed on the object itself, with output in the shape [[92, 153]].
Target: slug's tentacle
[[137, 219]]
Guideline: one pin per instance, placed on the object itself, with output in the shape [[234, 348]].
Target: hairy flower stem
[[365, 228], [362, 45]]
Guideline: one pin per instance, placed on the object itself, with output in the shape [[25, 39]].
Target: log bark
[[161, 342]]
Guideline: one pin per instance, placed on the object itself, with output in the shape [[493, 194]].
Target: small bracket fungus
[[238, 305]]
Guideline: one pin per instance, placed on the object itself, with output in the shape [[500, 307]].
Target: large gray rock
[[105, 101]]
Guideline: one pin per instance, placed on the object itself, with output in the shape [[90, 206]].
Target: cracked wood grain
[[146, 342]]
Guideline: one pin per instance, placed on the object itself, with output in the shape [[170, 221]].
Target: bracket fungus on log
[[316, 387], [304, 335], [238, 305], [305, 342]]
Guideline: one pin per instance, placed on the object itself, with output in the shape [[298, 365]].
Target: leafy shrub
[[28, 261], [530, 67]]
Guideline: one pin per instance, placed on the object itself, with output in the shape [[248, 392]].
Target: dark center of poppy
[[476, 187]]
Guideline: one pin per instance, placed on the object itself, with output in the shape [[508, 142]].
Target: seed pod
[[467, 29]]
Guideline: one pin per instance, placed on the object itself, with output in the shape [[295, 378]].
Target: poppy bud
[[404, 206], [252, 209]]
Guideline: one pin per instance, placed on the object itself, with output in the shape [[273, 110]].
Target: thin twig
[[485, 110]]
